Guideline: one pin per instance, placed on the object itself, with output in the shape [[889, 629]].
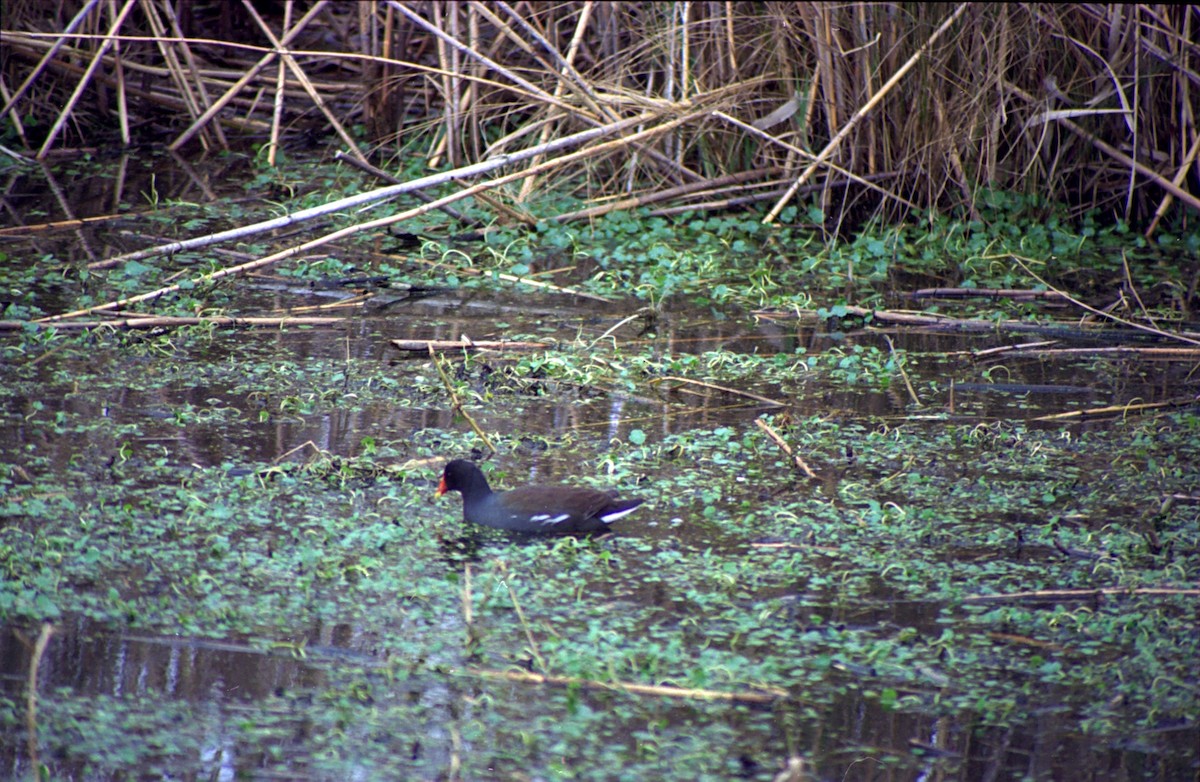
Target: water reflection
[[231, 693]]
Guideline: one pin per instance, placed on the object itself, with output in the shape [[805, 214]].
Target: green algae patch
[[1042, 594]]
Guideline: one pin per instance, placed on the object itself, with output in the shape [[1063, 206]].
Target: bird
[[538, 509]]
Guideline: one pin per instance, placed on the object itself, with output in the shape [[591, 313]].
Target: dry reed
[[886, 106]]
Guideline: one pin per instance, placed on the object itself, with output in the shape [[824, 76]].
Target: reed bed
[[865, 110]]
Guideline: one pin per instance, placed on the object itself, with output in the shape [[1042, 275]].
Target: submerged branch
[[455, 402], [376, 195], [424, 345], [759, 695], [715, 387], [1080, 594], [166, 321], [1120, 409], [783, 445]]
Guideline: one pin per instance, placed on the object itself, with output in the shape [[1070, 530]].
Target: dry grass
[[928, 103]]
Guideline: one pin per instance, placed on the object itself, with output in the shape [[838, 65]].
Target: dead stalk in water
[[455, 402]]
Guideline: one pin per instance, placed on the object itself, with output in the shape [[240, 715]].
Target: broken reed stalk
[[783, 446], [31, 693], [1113, 152], [609, 332], [1025, 640], [1180, 175], [738, 181], [122, 102], [549, 286], [759, 695], [912, 394], [1133, 290], [1018, 294], [766, 195], [20, 230], [961, 324], [955, 123], [565, 67], [1082, 594], [29, 42], [306, 445], [715, 387], [1106, 315], [863, 111], [250, 74], [77, 94], [380, 174], [1040, 349], [424, 345], [1122, 410], [48, 57], [167, 321], [472, 639], [956, 164], [533, 647], [603, 112], [374, 195], [197, 99], [466, 51], [723, 204], [352, 302], [302, 77], [455, 402], [791, 191], [598, 150], [280, 90], [1005, 349]]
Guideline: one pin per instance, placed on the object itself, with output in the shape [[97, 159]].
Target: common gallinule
[[531, 508]]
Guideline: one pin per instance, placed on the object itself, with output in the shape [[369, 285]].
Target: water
[[338, 697]]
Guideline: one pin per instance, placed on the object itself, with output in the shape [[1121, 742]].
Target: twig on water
[[620, 323], [455, 402], [39, 651], [1124, 322], [1120, 409], [1081, 594], [447, 344], [715, 387], [760, 695], [778, 440], [900, 365], [533, 647]]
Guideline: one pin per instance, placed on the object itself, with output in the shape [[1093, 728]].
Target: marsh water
[[342, 698]]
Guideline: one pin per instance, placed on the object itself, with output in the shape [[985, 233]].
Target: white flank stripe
[[609, 518]]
